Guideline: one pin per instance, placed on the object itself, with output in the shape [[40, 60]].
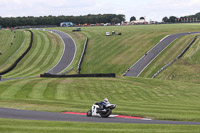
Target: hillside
[[168, 55], [12, 45], [187, 68], [115, 54], [41, 57]]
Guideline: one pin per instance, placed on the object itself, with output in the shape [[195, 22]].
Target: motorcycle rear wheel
[[89, 113]]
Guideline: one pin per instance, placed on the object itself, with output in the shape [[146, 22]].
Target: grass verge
[[24, 126]]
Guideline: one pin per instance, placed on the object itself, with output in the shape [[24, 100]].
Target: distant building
[[66, 24], [141, 21]]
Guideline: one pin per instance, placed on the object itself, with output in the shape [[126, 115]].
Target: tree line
[[56, 20], [190, 18]]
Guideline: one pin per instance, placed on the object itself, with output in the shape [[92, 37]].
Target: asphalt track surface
[[143, 62], [49, 116], [17, 78], [68, 54]]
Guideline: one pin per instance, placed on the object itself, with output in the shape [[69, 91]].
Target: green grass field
[[187, 68], [151, 98], [156, 99], [10, 53], [115, 54], [167, 56], [24, 126], [45, 53]]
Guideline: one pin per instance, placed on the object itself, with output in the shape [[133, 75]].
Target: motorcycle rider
[[102, 104]]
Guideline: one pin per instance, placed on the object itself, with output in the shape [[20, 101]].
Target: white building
[[141, 21]]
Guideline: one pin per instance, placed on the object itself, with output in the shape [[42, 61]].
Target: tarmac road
[[68, 54], [143, 62], [49, 116]]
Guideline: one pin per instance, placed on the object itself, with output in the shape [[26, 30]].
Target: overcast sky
[[151, 9]]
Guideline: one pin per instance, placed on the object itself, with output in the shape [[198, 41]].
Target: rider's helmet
[[105, 100]]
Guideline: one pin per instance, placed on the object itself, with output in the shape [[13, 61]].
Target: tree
[[165, 19], [132, 18], [56, 20], [142, 18], [172, 19], [115, 20]]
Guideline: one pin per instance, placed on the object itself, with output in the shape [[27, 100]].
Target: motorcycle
[[96, 111]]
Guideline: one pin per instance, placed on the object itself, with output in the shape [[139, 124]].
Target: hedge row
[[20, 58]]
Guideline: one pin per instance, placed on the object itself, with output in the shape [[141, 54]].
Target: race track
[[49, 116], [68, 54], [66, 59], [143, 62]]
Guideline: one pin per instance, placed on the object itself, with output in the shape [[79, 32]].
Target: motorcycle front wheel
[[107, 113]]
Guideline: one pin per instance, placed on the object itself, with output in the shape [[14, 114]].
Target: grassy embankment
[[115, 54], [187, 68], [11, 52], [45, 53], [167, 56]]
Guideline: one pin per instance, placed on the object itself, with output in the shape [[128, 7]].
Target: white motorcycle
[[96, 111]]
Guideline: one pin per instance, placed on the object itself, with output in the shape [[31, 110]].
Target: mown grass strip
[[23, 126]]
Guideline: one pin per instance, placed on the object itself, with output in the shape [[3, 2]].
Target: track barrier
[[82, 56], [48, 75]]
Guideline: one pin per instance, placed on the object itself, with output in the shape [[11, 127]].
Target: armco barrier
[[82, 56], [48, 75], [179, 56], [20, 58]]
